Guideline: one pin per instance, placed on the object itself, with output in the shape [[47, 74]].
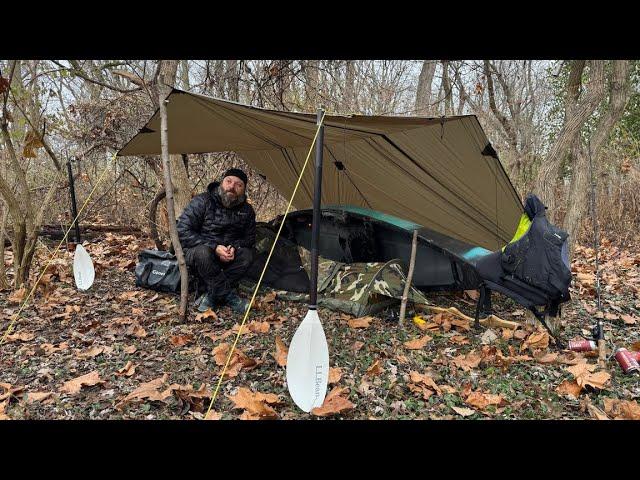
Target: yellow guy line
[[55, 252], [246, 314]]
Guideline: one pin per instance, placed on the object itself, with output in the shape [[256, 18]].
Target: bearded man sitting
[[217, 231]]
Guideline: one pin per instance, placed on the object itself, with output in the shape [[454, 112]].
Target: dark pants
[[218, 278]]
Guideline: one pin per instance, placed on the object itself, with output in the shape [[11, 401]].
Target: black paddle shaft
[[315, 228], [74, 206]]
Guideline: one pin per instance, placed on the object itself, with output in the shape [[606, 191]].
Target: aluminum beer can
[[582, 345], [628, 362], [635, 355]]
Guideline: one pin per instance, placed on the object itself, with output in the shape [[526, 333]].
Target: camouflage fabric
[[359, 288], [356, 288]]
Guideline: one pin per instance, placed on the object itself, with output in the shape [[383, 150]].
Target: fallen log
[[89, 231], [490, 321]]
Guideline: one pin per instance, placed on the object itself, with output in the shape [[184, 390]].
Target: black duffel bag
[[158, 270]]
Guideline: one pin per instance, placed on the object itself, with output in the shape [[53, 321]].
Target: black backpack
[[540, 257], [158, 270]]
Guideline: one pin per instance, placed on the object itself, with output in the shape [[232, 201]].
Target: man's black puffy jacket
[[206, 221]]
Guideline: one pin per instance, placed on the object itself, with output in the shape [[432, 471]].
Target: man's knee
[[201, 254], [244, 257]]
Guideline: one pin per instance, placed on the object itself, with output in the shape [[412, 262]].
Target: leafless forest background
[[545, 119]]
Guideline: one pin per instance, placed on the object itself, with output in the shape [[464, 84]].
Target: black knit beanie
[[236, 172]]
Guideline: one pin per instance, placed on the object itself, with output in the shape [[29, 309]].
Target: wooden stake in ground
[[163, 91], [407, 285]]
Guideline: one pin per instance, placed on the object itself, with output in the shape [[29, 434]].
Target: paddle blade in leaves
[[308, 364], [83, 270]]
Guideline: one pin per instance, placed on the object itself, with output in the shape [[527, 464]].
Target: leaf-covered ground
[[117, 352]]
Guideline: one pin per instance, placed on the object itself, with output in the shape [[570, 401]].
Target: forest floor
[[117, 352]]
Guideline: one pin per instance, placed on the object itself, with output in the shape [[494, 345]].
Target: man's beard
[[228, 199]]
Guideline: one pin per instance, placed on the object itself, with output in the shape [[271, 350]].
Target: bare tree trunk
[[164, 91], [311, 73], [579, 198], [233, 80], [349, 86], [446, 85], [423, 91], [576, 116], [4, 282], [184, 73], [153, 223], [218, 71], [179, 177]]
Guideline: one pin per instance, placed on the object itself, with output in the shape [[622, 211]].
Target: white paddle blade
[[83, 270], [308, 364]]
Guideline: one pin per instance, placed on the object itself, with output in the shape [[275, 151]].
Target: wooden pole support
[[602, 353], [164, 91], [407, 285]]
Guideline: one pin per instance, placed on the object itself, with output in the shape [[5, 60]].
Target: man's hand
[[225, 254]]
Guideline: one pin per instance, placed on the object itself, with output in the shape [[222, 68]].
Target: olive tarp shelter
[[440, 176], [441, 173]]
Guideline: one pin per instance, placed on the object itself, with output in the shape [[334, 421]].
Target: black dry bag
[[158, 270]]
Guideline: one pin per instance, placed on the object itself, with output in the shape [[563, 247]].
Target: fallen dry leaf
[[546, 358], [569, 387], [255, 404], [426, 380], [468, 361], [418, 343], [91, 352], [17, 296], [21, 336], [9, 391], [281, 352], [213, 415], [74, 386], [362, 322], [402, 359], [374, 369], [595, 380], [180, 340], [128, 370], [335, 374], [459, 340], [3, 415], [357, 345], [147, 391], [622, 409], [38, 396], [571, 358], [473, 294], [50, 348], [333, 403], [464, 412], [462, 324], [136, 330], [238, 360], [258, 327], [520, 334], [130, 349], [507, 333], [628, 319], [207, 314], [482, 400], [195, 398], [536, 341]]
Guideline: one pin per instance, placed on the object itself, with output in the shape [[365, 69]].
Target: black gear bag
[[158, 270]]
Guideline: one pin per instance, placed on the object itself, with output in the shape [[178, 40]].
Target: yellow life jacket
[[523, 226]]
